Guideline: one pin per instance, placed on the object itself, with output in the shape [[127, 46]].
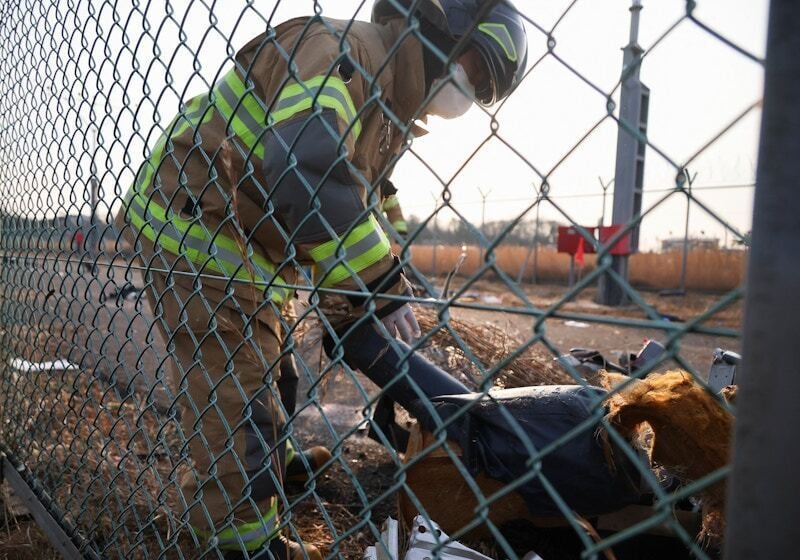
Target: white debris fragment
[[26, 366], [389, 547], [427, 536], [577, 324]]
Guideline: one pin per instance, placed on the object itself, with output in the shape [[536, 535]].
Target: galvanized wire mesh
[[123, 357]]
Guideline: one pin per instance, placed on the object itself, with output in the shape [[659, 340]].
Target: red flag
[[579, 253]]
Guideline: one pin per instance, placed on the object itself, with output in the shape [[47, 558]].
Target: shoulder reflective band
[[502, 37], [338, 260], [247, 117], [390, 202], [325, 91], [242, 110], [250, 536]]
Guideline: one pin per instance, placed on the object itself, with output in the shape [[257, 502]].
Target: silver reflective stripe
[[202, 246], [286, 102], [350, 253], [241, 113]]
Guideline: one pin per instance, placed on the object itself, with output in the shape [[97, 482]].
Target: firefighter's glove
[[403, 322]]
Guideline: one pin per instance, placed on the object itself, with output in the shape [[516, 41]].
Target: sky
[[699, 86]]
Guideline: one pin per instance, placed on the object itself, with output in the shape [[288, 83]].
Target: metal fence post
[[764, 504], [629, 169]]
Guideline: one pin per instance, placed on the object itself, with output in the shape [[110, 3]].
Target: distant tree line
[[457, 232]]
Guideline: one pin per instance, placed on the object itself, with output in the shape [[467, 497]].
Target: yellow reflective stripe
[[242, 111], [326, 91], [400, 225], [390, 202], [251, 536], [196, 108], [191, 241], [363, 247]]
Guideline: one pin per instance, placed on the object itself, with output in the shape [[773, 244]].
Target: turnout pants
[[226, 367]]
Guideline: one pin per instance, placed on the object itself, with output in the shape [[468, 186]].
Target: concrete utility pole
[[605, 187], [435, 232], [629, 175], [92, 239], [532, 249], [484, 196], [685, 256]]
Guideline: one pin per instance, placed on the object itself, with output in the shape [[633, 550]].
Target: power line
[[591, 195]]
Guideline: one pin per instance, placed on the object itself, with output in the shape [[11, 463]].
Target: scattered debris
[[127, 292], [649, 353], [426, 537], [388, 548], [723, 369], [488, 345], [577, 324], [26, 366]]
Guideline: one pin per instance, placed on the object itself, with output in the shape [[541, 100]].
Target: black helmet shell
[[499, 37]]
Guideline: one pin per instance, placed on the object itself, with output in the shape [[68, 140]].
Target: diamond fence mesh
[[202, 259]]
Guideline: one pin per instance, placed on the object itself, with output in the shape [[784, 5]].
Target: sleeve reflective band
[[390, 202], [325, 91], [338, 260], [251, 536], [401, 226], [242, 110]]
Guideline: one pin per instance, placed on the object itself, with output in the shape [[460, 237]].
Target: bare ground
[[347, 504]]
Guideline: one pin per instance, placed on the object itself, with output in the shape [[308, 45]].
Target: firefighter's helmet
[[499, 36]]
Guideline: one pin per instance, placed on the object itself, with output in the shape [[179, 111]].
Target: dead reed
[[707, 270]]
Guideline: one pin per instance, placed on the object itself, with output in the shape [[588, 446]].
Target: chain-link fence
[[206, 275]]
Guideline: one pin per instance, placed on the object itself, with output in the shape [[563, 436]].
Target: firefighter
[[272, 169]]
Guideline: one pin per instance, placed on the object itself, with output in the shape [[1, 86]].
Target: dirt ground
[[353, 498]]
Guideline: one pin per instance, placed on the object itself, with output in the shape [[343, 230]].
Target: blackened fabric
[[577, 468]]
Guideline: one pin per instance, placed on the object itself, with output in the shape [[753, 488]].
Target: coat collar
[[407, 87]]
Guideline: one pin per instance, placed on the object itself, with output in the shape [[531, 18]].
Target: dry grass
[[490, 345], [110, 465], [706, 270], [113, 466]]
